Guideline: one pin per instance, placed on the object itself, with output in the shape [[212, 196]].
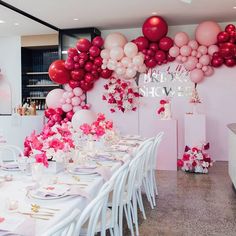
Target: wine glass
[[22, 164]]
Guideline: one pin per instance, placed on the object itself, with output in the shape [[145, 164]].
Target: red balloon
[[216, 55], [106, 73], [147, 57], [76, 58], [83, 45], [89, 78], [77, 74], [155, 28], [95, 74], [49, 112], [222, 37], [58, 73], [69, 115], [166, 43], [51, 123], [160, 56], [84, 56], [98, 41], [153, 46], [69, 63], [97, 61], [217, 61], [72, 52], [77, 66], [144, 51], [170, 58], [81, 62], [88, 66], [94, 51], [230, 62], [230, 28], [74, 83], [227, 50], [150, 63], [141, 42], [56, 118], [150, 52], [59, 111], [232, 37]]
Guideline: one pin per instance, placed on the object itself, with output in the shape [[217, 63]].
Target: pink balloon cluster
[[195, 58], [72, 100], [122, 57]]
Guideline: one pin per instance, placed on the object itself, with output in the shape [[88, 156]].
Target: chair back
[[10, 153]]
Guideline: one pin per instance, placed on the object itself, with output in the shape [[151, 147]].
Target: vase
[[37, 170], [54, 167]]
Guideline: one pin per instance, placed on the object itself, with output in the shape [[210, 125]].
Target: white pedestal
[[194, 129], [14, 130], [167, 152]]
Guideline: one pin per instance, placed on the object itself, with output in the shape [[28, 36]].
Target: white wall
[[10, 64]]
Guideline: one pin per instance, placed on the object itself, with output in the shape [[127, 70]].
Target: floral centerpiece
[[164, 110], [53, 143], [195, 100], [100, 129], [195, 160], [121, 95]]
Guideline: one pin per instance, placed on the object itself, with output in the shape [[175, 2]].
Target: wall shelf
[[42, 85], [37, 73]]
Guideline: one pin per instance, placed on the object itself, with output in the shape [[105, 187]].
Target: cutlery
[[38, 206], [35, 214]]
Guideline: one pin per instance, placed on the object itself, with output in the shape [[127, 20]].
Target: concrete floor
[[192, 204]]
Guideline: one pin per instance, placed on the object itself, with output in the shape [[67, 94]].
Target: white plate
[[10, 169], [92, 172], [33, 194]]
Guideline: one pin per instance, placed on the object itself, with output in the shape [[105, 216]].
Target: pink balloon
[[68, 100], [199, 65], [126, 61], [67, 87], [75, 101], [138, 60], [202, 49], [209, 71], [206, 33], [212, 49], [179, 58], [65, 95], [205, 60], [115, 40], [194, 53], [204, 68], [142, 68], [130, 72], [181, 39], [198, 55], [185, 50], [62, 100], [191, 63], [71, 94], [174, 51], [130, 49], [116, 53], [196, 75], [82, 97], [120, 70], [184, 59], [105, 54], [53, 98], [193, 44], [77, 108], [82, 104], [77, 91], [66, 107]]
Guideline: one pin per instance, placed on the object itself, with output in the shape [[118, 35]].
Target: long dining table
[[23, 220]]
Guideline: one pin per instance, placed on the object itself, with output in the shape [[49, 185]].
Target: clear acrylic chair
[[10, 153]]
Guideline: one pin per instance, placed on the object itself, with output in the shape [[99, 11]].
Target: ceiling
[[110, 14]]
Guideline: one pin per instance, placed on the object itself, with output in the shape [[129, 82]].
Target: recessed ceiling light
[[234, 7], [154, 13], [16, 23], [2, 21], [75, 19]]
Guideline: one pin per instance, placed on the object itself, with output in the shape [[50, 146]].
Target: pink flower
[[101, 117], [42, 158], [100, 131], [86, 128], [180, 163], [162, 109], [109, 125], [186, 157], [163, 102], [56, 144]]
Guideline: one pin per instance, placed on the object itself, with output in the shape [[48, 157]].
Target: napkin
[[52, 190], [10, 165]]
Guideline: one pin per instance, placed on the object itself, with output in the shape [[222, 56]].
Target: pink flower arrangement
[[161, 110], [121, 95], [98, 128], [195, 160], [52, 142]]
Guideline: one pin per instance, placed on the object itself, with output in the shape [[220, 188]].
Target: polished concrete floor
[[192, 205]]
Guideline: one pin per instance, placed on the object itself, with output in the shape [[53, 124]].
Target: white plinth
[[15, 129], [194, 129]]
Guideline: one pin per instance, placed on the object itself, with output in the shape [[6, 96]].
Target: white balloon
[[130, 72], [105, 54], [82, 116], [130, 49], [126, 61], [120, 70], [77, 91], [67, 87], [77, 108], [138, 60], [116, 53]]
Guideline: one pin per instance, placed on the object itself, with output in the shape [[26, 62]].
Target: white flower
[[205, 170], [198, 169]]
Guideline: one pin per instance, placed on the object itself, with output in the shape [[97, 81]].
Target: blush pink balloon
[[105, 54], [212, 49], [179, 59], [204, 68], [194, 53], [196, 75], [184, 59], [68, 100], [181, 39], [67, 87], [77, 91], [71, 94], [193, 44], [206, 33], [115, 40], [75, 101], [138, 60], [191, 63], [209, 71], [62, 100], [202, 49], [198, 55], [205, 60], [120, 70], [82, 104], [66, 107], [199, 65], [142, 68], [130, 72], [53, 98], [116, 53], [185, 50], [174, 51], [130, 49], [83, 97], [126, 61], [77, 108], [65, 95]]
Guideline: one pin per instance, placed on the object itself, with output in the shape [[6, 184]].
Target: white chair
[[97, 217], [65, 227], [10, 153]]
